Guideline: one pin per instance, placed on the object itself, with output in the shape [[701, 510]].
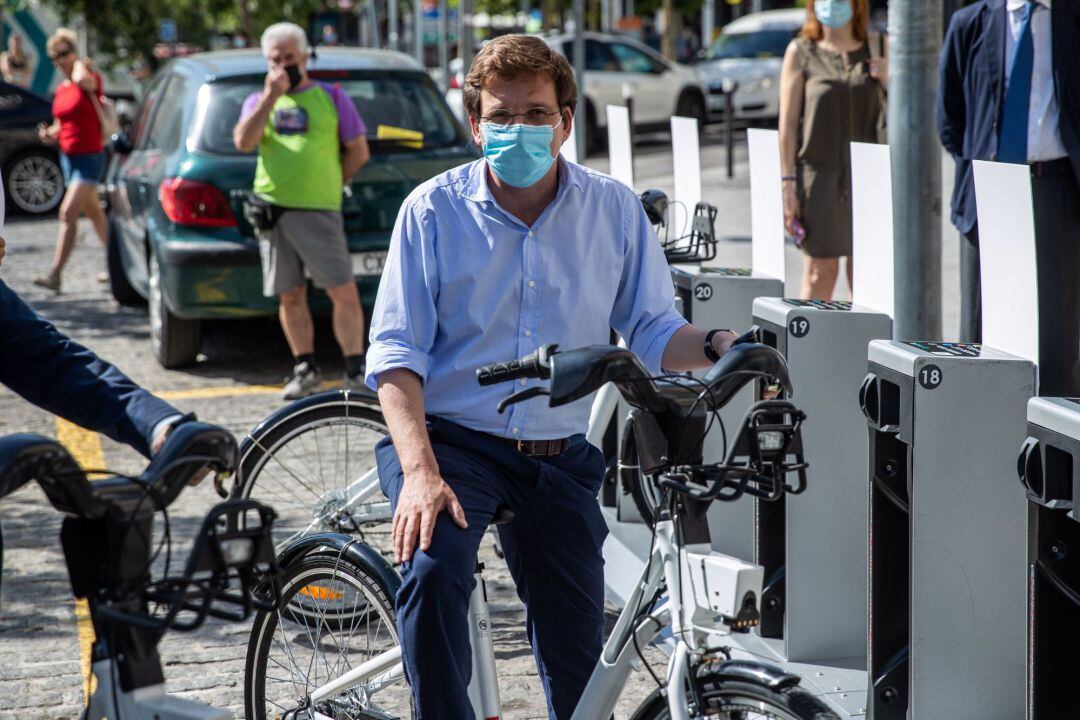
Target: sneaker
[[304, 381], [49, 282]]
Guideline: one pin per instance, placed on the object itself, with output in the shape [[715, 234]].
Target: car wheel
[[692, 105], [34, 181], [175, 341], [122, 290]]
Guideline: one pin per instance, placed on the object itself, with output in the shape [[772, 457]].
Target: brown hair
[[62, 36], [860, 15], [513, 56]]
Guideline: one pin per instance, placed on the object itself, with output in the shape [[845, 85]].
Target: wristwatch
[[710, 353]]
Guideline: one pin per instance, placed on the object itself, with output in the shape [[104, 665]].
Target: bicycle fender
[[750, 671], [351, 549]]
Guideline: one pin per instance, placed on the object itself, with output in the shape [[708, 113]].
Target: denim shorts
[[82, 167]]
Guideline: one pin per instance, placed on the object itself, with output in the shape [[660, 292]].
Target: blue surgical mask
[[519, 155], [833, 14]]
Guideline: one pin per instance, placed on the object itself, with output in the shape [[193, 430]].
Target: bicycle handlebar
[[534, 365]]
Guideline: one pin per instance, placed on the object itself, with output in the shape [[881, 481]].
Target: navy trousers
[[553, 549]]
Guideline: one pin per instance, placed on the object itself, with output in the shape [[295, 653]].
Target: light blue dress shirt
[[467, 284]]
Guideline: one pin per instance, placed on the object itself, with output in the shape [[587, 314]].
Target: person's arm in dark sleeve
[[951, 110], [52, 371]]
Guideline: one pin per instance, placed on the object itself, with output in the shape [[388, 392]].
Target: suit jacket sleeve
[[951, 109], [52, 371]]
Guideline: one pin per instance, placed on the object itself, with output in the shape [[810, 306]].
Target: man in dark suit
[[1009, 90], [55, 373]]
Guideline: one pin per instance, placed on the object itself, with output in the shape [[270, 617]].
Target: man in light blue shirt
[[487, 262]]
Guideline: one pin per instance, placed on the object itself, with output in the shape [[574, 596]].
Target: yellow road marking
[[231, 391], [85, 447]]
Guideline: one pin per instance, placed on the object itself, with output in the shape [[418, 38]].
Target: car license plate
[[368, 264]]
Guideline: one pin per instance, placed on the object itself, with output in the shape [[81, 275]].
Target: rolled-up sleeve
[[644, 313], [404, 321]]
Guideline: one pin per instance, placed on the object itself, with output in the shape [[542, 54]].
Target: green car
[[177, 236]]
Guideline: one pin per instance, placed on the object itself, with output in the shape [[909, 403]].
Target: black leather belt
[[1050, 168], [539, 448]]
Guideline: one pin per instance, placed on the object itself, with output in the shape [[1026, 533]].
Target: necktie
[[1012, 140]]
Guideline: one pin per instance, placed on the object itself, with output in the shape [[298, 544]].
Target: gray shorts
[[305, 239]]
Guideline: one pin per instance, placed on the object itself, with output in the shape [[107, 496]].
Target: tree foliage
[[126, 29]]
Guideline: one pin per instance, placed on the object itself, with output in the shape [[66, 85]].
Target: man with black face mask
[[311, 141]]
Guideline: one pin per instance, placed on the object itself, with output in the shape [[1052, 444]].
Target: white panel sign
[[872, 218], [766, 204], [1010, 295], [686, 157], [619, 150]]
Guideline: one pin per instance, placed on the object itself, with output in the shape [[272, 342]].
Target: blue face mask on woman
[[519, 155], [833, 14]]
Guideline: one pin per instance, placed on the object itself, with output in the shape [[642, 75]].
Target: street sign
[[167, 30]]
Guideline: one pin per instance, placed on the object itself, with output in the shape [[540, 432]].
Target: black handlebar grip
[[525, 367]]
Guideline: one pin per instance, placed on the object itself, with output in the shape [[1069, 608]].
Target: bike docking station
[[813, 546], [948, 525], [1048, 467]]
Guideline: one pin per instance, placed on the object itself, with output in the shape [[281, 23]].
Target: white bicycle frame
[[667, 566]]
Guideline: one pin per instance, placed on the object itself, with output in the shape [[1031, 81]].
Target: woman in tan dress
[[831, 89]]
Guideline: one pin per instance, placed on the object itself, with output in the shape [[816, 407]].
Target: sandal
[[49, 282]]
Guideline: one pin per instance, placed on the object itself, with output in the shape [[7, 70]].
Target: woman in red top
[[76, 128]]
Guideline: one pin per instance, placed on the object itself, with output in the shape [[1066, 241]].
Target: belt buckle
[[520, 445]]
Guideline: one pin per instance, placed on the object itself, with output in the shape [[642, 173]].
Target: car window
[[633, 60], [168, 120], [598, 57], [402, 113], [763, 44], [146, 110]]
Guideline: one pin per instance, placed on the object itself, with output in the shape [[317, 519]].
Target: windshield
[[402, 113], [763, 44]]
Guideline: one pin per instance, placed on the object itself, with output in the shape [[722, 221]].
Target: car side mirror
[[121, 143]]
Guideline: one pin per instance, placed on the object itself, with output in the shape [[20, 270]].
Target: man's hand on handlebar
[[424, 495], [159, 442]]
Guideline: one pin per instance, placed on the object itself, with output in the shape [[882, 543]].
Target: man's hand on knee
[[423, 496]]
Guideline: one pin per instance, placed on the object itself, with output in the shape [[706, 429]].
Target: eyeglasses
[[535, 116], [62, 53]]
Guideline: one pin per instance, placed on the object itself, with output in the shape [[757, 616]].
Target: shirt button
[[532, 234], [528, 333], [517, 431], [521, 381], [532, 283]]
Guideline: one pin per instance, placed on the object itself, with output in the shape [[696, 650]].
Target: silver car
[[750, 52]]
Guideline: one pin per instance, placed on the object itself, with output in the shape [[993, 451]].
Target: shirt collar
[[1014, 5], [476, 185]]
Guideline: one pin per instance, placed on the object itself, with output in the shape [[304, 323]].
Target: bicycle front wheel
[[334, 615], [728, 700], [314, 463]]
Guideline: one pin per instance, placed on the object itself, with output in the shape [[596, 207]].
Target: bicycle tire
[[300, 486], [727, 699], [317, 573]]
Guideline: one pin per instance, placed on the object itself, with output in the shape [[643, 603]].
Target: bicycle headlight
[[237, 551], [771, 441]]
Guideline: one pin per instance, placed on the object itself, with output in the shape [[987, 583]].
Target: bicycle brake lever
[[519, 396]]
